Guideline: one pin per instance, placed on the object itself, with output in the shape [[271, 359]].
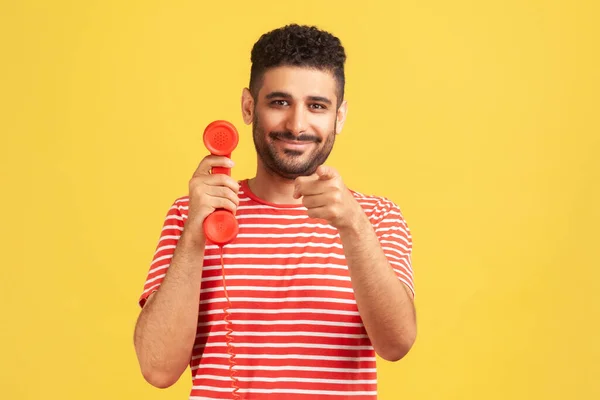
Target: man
[[319, 276]]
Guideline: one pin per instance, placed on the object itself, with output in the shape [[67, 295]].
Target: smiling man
[[319, 277]]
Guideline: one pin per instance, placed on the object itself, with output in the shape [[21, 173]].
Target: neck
[[271, 187]]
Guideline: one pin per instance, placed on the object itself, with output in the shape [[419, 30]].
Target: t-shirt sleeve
[[395, 239], [169, 237]]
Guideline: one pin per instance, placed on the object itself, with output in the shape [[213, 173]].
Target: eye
[[318, 106], [281, 103]]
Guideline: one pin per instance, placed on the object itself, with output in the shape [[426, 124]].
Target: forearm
[[166, 329], [385, 304]]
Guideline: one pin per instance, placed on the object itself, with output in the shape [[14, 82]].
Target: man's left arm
[[384, 300]]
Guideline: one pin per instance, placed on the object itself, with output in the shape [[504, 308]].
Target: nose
[[296, 122]]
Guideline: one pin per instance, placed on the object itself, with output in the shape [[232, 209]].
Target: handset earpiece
[[221, 138]]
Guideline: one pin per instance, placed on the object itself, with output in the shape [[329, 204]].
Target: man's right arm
[[166, 328], [165, 331]]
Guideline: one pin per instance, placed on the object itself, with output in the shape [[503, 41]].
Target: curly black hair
[[298, 45]]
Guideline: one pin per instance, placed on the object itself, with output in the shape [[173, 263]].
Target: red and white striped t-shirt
[[297, 333]]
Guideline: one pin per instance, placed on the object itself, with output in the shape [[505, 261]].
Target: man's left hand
[[325, 196]]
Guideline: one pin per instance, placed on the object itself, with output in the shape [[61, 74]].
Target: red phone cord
[[228, 337]]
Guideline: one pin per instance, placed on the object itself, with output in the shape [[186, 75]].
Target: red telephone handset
[[221, 227], [221, 138]]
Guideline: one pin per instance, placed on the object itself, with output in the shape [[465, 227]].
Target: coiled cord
[[228, 336]]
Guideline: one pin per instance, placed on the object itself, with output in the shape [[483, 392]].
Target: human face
[[295, 120]]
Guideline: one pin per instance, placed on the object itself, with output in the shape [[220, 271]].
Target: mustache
[[291, 137]]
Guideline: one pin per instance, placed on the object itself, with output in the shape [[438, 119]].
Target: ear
[[247, 106], [341, 117]]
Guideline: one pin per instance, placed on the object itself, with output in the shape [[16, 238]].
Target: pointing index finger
[[307, 185], [324, 172]]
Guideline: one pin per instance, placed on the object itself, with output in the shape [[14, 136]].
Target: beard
[[290, 164]]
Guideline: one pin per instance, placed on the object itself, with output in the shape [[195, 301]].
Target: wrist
[[357, 223], [192, 239]]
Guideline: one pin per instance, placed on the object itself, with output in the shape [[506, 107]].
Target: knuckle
[[196, 180], [231, 182], [336, 196], [196, 190], [231, 195], [224, 180], [230, 206], [223, 191]]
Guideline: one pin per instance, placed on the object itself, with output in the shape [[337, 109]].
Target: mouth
[[296, 145]]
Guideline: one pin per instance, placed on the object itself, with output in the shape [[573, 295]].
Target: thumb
[[324, 172]]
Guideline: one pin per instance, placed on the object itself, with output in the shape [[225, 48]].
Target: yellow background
[[480, 119]]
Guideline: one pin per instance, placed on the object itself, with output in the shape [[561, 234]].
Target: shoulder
[[179, 206], [372, 203], [182, 201], [376, 207]]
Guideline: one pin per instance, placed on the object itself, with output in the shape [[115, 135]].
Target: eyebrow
[[284, 95]]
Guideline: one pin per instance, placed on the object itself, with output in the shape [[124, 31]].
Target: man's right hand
[[207, 192]]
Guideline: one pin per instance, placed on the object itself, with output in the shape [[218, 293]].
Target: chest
[[274, 270]]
